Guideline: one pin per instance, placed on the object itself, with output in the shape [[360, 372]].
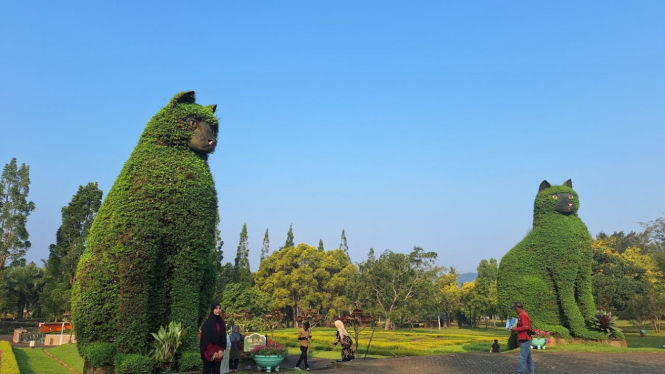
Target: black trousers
[[211, 367], [303, 356], [233, 364]]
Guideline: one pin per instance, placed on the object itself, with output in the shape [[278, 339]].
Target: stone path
[[488, 363]]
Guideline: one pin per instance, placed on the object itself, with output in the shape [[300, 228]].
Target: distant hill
[[467, 277]]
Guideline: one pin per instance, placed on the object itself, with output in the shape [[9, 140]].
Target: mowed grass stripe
[[35, 361]]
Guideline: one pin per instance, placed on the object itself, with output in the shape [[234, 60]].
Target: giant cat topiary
[[549, 271], [148, 256]]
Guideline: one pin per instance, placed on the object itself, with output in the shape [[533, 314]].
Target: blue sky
[[427, 123]]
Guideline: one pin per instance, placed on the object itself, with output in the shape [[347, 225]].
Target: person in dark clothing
[[213, 340], [495, 347], [236, 349], [303, 337]]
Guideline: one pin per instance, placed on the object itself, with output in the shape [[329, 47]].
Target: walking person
[[224, 367], [304, 337], [236, 346], [344, 338], [523, 325], [213, 340]]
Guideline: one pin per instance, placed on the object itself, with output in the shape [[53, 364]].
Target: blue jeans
[[525, 358]]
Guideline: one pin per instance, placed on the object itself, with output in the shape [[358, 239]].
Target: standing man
[[523, 325]]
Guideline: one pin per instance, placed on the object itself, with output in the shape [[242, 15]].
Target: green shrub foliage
[[134, 364], [190, 361], [99, 354], [148, 260], [549, 271]]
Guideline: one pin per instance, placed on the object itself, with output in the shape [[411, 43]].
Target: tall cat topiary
[[549, 271], [148, 260]]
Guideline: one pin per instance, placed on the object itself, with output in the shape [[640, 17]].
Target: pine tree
[[71, 237], [321, 245], [14, 212], [370, 256], [241, 271], [343, 246], [289, 238], [266, 246]]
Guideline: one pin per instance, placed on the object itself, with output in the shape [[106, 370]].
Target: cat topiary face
[[184, 124], [556, 200]]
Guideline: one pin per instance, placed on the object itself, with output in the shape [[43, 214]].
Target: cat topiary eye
[[555, 197], [571, 196]]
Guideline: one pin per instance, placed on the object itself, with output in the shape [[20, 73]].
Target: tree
[[321, 245], [71, 238], [471, 301], [342, 245], [485, 287], [449, 293], [14, 212], [223, 279], [333, 274], [615, 281], [289, 238], [24, 284], [618, 241], [394, 279], [266, 246], [655, 231], [302, 277], [241, 271], [238, 298]]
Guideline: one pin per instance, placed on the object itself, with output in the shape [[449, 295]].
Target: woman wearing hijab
[[224, 367], [213, 340], [236, 343], [344, 338]]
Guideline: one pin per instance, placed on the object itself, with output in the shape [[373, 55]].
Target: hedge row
[[133, 364], [148, 259], [8, 364]]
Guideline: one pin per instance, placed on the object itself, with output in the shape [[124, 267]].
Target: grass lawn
[[403, 342], [69, 355], [423, 342], [35, 361]]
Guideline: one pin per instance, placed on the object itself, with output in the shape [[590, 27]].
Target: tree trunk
[[387, 324]]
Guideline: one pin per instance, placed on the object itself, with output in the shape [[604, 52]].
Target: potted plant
[[269, 356], [540, 339]]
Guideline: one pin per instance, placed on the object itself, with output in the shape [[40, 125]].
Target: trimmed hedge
[[134, 364], [8, 363], [190, 361], [99, 354], [549, 271], [148, 260]]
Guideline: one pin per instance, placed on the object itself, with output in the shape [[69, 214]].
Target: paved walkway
[[505, 363]]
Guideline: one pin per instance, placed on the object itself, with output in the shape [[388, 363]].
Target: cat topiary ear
[[185, 97], [544, 185], [212, 107], [568, 183]]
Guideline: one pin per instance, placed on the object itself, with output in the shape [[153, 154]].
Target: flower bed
[[271, 348]]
